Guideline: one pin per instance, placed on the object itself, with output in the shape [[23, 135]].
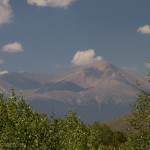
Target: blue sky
[[43, 36]]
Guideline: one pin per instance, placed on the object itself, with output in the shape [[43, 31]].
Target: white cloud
[[1, 61], [144, 29], [51, 3], [6, 13], [12, 47], [85, 57], [3, 72]]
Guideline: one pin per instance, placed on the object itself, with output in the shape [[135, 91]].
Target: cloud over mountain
[[85, 57], [13, 47], [6, 13], [144, 29], [51, 3]]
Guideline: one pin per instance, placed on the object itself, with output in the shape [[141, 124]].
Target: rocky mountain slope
[[98, 91]]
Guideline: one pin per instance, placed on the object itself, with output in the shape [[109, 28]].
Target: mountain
[[99, 91]]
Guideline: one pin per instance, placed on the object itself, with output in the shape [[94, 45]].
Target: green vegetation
[[140, 121], [22, 128]]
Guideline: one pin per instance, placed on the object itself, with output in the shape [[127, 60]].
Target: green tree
[[118, 139], [22, 128], [140, 139], [140, 121], [99, 135], [71, 133]]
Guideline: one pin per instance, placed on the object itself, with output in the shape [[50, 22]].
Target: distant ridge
[[120, 123]]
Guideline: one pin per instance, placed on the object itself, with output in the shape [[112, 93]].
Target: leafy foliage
[[140, 138], [140, 121], [22, 128], [99, 135]]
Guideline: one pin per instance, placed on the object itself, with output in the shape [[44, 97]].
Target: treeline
[[22, 128]]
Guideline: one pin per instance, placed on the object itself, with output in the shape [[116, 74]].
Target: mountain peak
[[101, 65], [101, 62]]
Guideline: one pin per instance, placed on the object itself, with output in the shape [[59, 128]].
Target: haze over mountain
[[98, 91]]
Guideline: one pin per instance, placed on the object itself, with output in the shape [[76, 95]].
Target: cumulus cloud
[[144, 29], [1, 61], [13, 47], [85, 57], [51, 3], [6, 13]]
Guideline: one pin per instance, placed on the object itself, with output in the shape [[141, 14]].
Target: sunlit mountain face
[[98, 92]]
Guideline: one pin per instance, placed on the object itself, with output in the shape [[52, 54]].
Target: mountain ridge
[[94, 85]]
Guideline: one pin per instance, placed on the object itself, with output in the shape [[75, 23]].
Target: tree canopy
[[22, 128]]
